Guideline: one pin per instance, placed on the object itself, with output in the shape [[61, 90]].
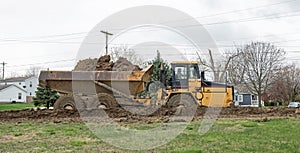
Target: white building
[[28, 84], [12, 93]]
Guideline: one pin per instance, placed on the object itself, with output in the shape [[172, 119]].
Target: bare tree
[[255, 65], [13, 75], [285, 85], [218, 67], [124, 51], [33, 71]]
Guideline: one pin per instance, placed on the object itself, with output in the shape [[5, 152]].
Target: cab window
[[180, 72], [193, 73]]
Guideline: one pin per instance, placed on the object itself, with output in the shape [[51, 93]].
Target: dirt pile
[[104, 63], [39, 115], [162, 114], [86, 65], [122, 64]]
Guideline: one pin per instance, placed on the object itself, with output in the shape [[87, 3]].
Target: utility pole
[[106, 40], [3, 65]]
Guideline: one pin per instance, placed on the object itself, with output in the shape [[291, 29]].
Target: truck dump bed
[[127, 82]]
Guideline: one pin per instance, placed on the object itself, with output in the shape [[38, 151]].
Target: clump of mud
[[104, 63]]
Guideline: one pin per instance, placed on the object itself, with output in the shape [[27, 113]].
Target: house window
[[240, 98], [19, 95], [30, 85]]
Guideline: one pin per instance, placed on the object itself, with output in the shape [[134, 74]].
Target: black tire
[[182, 106], [65, 103], [105, 101], [181, 99]]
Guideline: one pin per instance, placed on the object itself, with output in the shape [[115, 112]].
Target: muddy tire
[[65, 103], [181, 100], [182, 106], [105, 101], [68, 103]]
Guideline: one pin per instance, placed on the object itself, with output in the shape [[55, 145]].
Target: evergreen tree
[[45, 97], [155, 76], [157, 70]]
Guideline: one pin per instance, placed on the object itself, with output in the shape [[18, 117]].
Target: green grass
[[15, 106], [227, 135]]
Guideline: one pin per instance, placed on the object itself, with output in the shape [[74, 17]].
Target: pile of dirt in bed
[[104, 63]]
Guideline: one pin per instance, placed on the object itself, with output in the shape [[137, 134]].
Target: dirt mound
[[86, 65], [163, 114], [249, 112], [122, 64], [39, 115], [104, 63]]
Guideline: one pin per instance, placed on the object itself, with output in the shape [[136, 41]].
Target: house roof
[[6, 86], [16, 79]]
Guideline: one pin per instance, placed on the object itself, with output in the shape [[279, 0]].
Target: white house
[[28, 84], [12, 93]]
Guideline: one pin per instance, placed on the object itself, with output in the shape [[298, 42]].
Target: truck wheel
[[182, 106], [65, 103], [181, 100], [106, 101]]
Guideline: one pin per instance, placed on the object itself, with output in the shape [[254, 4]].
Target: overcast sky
[[48, 33]]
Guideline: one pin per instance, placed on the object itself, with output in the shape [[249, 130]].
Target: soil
[[39, 115], [163, 114], [104, 63]]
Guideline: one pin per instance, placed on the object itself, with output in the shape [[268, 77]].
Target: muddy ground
[[56, 116]]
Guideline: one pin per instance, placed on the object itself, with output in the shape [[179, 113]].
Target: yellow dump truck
[[187, 84]]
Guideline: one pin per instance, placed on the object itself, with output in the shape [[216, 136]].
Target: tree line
[[259, 68]]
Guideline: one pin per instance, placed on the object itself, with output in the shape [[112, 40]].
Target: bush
[[297, 98]]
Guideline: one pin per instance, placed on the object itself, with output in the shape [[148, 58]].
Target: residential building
[[246, 100], [12, 93], [28, 84]]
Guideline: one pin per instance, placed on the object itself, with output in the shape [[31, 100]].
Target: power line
[[234, 11], [50, 36], [217, 14], [68, 60], [270, 16]]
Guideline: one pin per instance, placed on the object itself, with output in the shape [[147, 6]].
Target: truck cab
[[187, 78], [182, 73]]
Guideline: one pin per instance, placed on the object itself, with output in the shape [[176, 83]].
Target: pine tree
[[157, 70], [156, 74], [45, 97]]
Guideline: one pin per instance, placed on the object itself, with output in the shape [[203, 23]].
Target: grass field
[[227, 135], [15, 106]]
